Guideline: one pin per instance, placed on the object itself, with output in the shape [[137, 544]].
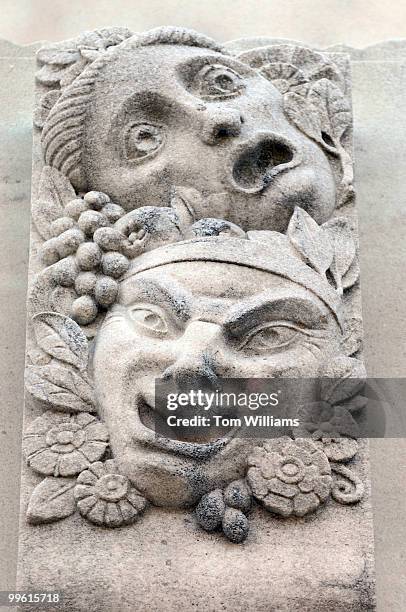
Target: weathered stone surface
[[289, 175], [378, 168]]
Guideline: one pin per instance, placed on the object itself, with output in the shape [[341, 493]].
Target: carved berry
[[69, 241], [90, 221], [61, 225], [235, 525], [85, 283], [88, 256], [96, 199], [74, 208], [237, 495], [84, 310], [114, 264], [105, 291], [210, 510], [113, 212], [49, 252], [109, 239], [65, 272]]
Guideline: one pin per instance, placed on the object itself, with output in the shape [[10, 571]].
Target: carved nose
[[220, 124], [195, 364]]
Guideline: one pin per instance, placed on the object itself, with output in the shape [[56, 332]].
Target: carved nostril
[[256, 164]]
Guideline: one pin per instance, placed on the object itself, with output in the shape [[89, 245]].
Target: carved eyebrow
[[142, 105], [157, 291], [268, 307]]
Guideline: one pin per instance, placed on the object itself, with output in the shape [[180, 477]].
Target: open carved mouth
[[258, 161], [198, 442]]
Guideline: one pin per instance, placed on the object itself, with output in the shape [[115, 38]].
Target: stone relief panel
[[193, 215]]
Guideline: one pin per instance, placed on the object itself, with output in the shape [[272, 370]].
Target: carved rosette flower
[[284, 76], [58, 444], [105, 497], [331, 428], [289, 477]]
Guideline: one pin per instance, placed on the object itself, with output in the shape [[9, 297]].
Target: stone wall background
[[380, 141], [318, 22]]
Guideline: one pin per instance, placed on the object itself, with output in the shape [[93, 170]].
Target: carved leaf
[[60, 386], [50, 74], [55, 190], [184, 201], [343, 378], [353, 336], [352, 275], [58, 55], [62, 338], [312, 242], [306, 119], [344, 248], [51, 500], [332, 108]]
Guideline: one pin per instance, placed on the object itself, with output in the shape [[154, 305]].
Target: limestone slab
[[372, 305]]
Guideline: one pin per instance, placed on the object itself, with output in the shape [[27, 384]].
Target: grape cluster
[[78, 261], [226, 510]]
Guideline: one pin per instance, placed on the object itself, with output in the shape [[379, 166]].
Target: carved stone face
[[176, 322], [170, 115]]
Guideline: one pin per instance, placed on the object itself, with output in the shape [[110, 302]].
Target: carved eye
[[143, 140], [149, 319], [218, 81], [270, 337]]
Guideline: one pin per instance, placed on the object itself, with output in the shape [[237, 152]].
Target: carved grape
[[84, 310], [96, 199], [105, 291], [91, 220], [88, 256], [75, 208], [85, 283], [114, 264]]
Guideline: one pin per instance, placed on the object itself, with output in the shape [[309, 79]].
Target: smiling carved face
[[202, 320], [171, 115]]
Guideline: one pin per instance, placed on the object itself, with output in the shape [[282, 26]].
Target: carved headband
[[257, 252]]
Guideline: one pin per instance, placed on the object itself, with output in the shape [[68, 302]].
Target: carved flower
[[284, 76], [332, 429], [58, 444], [106, 497], [289, 477]]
